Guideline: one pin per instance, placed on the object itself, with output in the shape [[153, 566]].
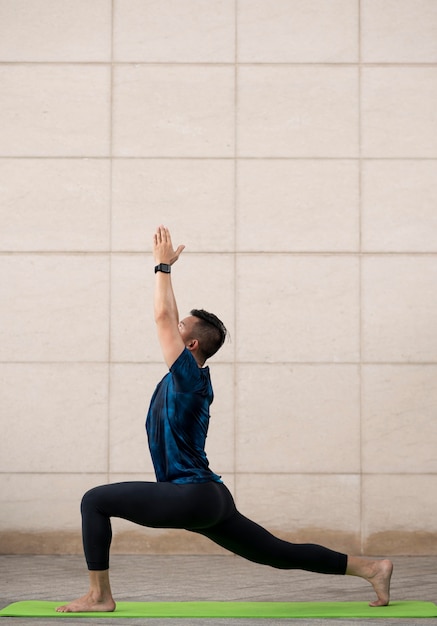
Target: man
[[187, 493]]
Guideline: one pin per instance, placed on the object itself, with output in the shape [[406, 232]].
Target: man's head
[[207, 329]]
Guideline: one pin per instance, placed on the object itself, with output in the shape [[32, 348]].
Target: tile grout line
[[230, 64], [93, 157], [234, 351], [360, 283], [243, 363], [242, 253], [110, 243], [248, 472]]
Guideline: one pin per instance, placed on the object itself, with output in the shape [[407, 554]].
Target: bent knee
[[90, 499]]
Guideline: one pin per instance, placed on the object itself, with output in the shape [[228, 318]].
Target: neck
[[200, 362]]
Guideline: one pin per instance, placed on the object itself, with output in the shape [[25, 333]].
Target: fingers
[[161, 233], [162, 241]]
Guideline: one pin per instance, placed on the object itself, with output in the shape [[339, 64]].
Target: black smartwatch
[[163, 267]]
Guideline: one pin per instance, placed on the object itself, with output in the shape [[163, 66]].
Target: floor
[[142, 578]]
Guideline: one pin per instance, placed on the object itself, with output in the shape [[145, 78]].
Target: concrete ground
[[173, 578]]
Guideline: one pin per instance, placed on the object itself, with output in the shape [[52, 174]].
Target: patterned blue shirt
[[177, 423]]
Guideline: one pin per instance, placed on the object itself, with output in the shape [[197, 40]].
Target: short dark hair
[[211, 332]]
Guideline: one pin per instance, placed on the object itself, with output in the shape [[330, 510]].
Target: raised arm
[[166, 311]]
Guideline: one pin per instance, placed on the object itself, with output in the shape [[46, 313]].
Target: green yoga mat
[[38, 608]]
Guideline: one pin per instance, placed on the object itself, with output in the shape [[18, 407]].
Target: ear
[[192, 344]]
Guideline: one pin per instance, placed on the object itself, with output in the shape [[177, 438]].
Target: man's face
[[186, 328]]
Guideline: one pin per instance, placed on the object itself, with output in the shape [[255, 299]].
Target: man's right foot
[[380, 581]]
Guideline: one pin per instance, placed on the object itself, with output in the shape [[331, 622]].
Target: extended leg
[[249, 540], [253, 542]]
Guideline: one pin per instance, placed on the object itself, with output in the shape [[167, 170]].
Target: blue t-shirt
[[177, 423]]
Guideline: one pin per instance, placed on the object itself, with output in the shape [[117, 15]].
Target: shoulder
[[185, 362], [187, 375]]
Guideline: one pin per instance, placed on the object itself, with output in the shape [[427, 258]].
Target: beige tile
[[132, 386], [297, 205], [52, 205], [55, 30], [399, 31], [179, 31], [297, 31], [133, 334], [50, 110], [57, 417], [199, 280], [410, 507], [287, 501], [207, 281], [116, 477], [220, 443], [399, 117], [38, 502], [298, 418], [174, 111], [297, 111], [398, 206], [55, 308], [198, 205], [399, 427], [399, 309], [297, 308]]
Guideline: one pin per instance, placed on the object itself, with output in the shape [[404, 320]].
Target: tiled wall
[[292, 146]]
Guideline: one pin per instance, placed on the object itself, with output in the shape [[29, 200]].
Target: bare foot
[[379, 578], [89, 603]]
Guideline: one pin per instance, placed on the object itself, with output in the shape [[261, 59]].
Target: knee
[[90, 500]]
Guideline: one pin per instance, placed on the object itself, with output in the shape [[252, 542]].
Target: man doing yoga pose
[[187, 493]]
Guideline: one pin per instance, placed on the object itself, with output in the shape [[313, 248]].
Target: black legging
[[205, 508]]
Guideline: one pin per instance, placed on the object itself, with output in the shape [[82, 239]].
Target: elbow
[[160, 316]]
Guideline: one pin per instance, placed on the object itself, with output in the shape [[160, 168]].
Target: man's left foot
[[89, 603]]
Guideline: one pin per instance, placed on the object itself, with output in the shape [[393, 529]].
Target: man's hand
[[163, 247]]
